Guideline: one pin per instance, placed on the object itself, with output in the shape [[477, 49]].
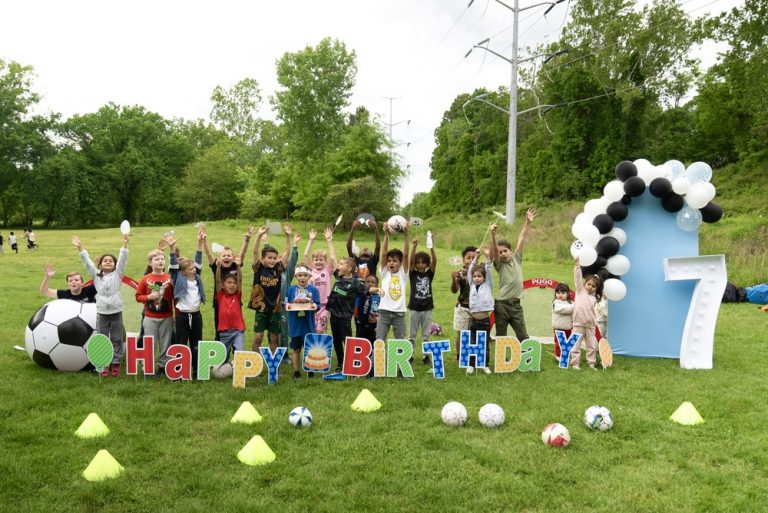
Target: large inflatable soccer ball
[[491, 415], [57, 335], [598, 418], [454, 414], [396, 223], [300, 417], [556, 435]]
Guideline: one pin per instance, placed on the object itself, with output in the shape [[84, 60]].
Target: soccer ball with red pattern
[[556, 435]]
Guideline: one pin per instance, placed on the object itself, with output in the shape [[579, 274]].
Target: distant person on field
[[2, 242], [509, 265], [74, 291], [107, 275], [13, 242], [31, 239], [366, 261]]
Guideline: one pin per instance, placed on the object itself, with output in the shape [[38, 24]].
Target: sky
[[169, 55]]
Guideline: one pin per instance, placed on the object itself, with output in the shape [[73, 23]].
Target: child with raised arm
[[107, 275], [268, 269], [341, 305], [231, 322], [394, 273], [322, 265], [480, 302], [509, 265], [588, 292], [421, 303], [189, 296], [285, 282], [224, 265], [562, 313], [460, 284], [301, 302], [367, 261], [155, 290], [74, 291]]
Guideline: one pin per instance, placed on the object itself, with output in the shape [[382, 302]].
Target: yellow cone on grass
[[103, 466], [246, 414], [92, 427], [366, 402], [256, 452], [687, 415]]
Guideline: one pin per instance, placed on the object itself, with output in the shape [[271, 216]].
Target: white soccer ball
[[454, 414], [556, 435], [222, 371], [396, 223], [300, 417], [56, 337], [491, 415], [598, 418]]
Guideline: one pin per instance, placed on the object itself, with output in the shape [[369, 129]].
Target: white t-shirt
[[394, 297], [191, 301]]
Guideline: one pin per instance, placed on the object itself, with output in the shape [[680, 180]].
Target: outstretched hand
[[530, 215], [50, 270]]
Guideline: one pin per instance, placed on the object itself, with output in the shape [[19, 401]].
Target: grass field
[[179, 448]]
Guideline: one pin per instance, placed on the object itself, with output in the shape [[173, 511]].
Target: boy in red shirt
[[231, 326], [155, 290]]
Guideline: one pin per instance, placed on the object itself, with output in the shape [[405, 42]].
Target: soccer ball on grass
[[598, 418], [454, 414], [491, 415], [300, 417]]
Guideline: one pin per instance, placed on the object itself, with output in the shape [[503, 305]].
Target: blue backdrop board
[[650, 320]]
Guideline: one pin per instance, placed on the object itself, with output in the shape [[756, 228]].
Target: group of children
[[327, 291]]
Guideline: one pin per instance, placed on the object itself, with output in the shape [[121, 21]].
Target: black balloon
[[607, 247], [626, 199], [603, 222], [625, 170], [634, 186], [601, 261], [590, 269], [673, 202], [617, 210], [603, 274], [711, 213], [660, 187]]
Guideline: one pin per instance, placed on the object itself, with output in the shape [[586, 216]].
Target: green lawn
[[179, 449]]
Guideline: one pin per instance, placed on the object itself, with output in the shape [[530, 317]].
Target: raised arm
[[328, 232], [257, 245], [244, 248], [494, 245], [308, 249], [433, 262], [530, 215], [208, 253], [84, 257], [122, 258], [412, 259], [406, 245], [288, 229], [355, 224], [577, 277], [45, 289], [294, 258], [384, 247], [377, 243]]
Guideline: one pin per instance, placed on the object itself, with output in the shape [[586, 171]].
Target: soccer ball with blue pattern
[[598, 418], [300, 417]]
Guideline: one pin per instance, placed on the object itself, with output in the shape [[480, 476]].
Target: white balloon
[[594, 207], [590, 236], [583, 218], [677, 167], [587, 256], [698, 196], [618, 265], [647, 174], [711, 191], [125, 227], [618, 234], [614, 190], [614, 289], [664, 170], [642, 163], [699, 172], [681, 185], [575, 247]]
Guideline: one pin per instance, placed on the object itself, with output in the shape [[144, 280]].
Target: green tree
[[235, 110]]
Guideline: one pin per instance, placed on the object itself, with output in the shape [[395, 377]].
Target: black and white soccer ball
[[56, 337]]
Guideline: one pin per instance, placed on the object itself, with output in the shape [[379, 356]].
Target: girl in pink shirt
[[587, 294], [322, 271]]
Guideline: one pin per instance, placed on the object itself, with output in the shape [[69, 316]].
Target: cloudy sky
[[168, 55]]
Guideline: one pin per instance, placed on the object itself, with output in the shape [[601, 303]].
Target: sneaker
[[296, 375], [114, 369], [592, 366], [487, 370], [470, 370], [160, 372], [426, 360], [105, 372], [310, 374], [575, 367]]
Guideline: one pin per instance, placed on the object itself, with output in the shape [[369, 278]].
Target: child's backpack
[[758, 294]]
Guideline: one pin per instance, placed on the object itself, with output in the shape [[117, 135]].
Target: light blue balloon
[[689, 219], [677, 167], [698, 172]]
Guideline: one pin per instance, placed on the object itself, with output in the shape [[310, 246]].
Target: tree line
[[620, 83], [125, 162]]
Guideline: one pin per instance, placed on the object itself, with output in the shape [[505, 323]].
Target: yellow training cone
[[92, 427], [687, 415], [246, 414], [366, 402], [256, 452], [103, 466]]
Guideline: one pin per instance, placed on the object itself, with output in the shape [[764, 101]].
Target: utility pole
[[512, 134], [391, 124]]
